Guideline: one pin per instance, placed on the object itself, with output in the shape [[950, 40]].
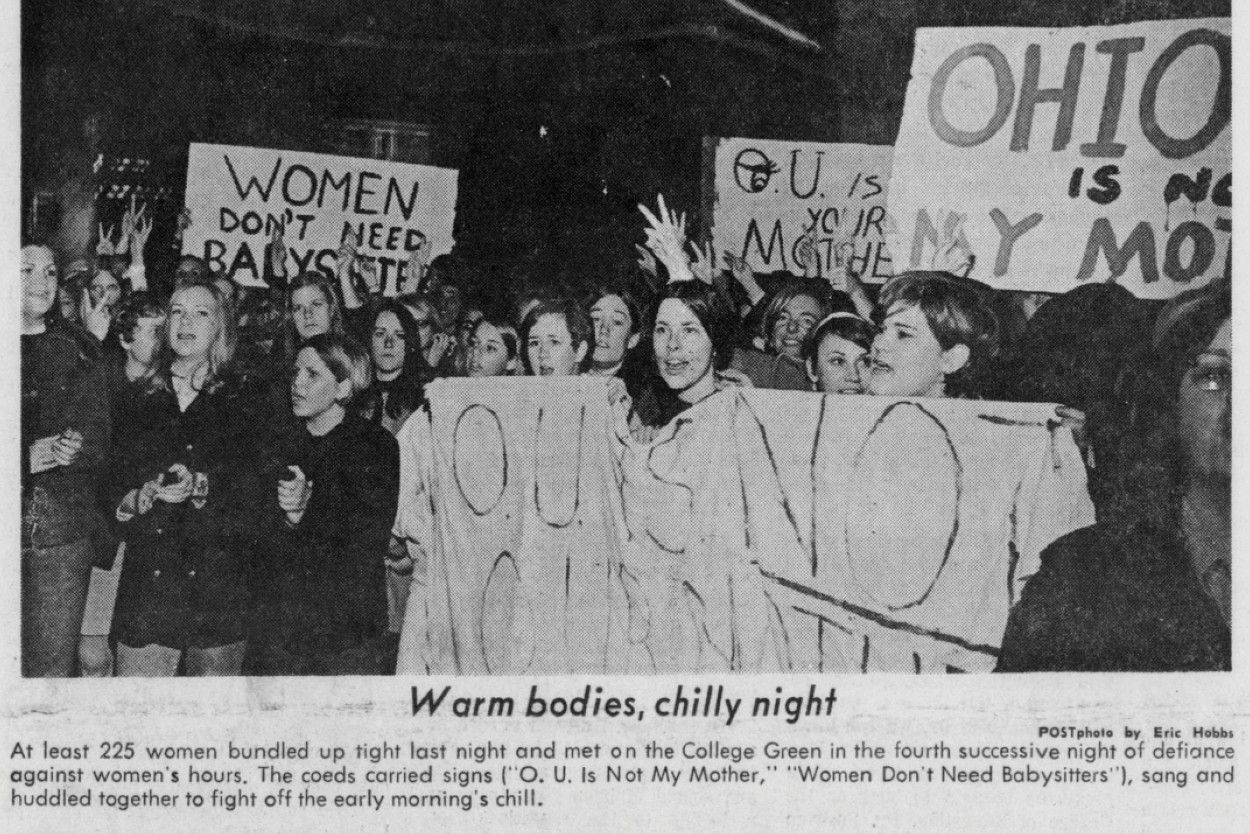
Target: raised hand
[[129, 220], [184, 223], [294, 494], [105, 246], [666, 238], [367, 269], [744, 275], [277, 251], [954, 253], [139, 237], [417, 266], [805, 254], [347, 252], [438, 348], [703, 262], [95, 315]]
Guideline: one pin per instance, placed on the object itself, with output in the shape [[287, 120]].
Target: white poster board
[[768, 193], [237, 194], [1070, 155]]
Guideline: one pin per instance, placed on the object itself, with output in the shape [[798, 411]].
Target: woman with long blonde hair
[[183, 482]]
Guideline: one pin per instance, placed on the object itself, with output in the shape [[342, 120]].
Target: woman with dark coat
[[65, 432], [182, 481], [321, 584], [1148, 588]]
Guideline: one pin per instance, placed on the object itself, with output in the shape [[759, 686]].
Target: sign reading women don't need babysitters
[[238, 195]]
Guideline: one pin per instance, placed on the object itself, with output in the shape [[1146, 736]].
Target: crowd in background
[[240, 443]]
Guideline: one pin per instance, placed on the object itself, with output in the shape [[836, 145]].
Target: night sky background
[[624, 90]]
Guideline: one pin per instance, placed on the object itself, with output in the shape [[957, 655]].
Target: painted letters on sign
[[768, 194], [1071, 155], [237, 195], [759, 531]]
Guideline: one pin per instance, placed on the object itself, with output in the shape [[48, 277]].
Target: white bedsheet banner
[[760, 531]]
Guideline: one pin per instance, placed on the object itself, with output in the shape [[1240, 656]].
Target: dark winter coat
[[185, 581], [63, 387], [321, 582], [1110, 598]]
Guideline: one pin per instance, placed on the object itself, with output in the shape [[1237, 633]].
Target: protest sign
[[1065, 156], [237, 195], [766, 194], [524, 536], [759, 531]]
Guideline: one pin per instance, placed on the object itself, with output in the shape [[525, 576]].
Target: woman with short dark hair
[[557, 338], [838, 353]]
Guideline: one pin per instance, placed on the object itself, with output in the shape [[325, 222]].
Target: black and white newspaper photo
[[585, 415]]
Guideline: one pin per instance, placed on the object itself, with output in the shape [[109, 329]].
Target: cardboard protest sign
[[765, 194], [759, 531], [1064, 156], [237, 195]]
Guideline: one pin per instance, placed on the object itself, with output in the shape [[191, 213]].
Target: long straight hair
[[409, 388], [320, 282], [220, 353]]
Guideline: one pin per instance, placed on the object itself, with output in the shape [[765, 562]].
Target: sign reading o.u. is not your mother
[[1071, 155], [766, 195], [238, 195]]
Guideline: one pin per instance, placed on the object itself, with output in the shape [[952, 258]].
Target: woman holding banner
[[937, 335], [558, 337]]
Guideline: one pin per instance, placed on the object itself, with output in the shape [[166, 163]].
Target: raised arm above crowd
[[274, 496]]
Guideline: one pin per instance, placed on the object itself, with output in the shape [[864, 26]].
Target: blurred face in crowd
[[1204, 409], [146, 340], [840, 366], [683, 351], [104, 287], [190, 268], [228, 288], [550, 348], [794, 321], [310, 310], [314, 390], [38, 282], [449, 301], [194, 322], [468, 320], [424, 318], [488, 353], [614, 330], [907, 360], [69, 304], [388, 345]]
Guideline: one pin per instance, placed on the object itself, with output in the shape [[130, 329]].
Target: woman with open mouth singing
[[937, 333]]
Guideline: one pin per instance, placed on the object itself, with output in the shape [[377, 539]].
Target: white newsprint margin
[[879, 710]]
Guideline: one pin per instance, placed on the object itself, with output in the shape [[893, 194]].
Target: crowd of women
[[240, 444]]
